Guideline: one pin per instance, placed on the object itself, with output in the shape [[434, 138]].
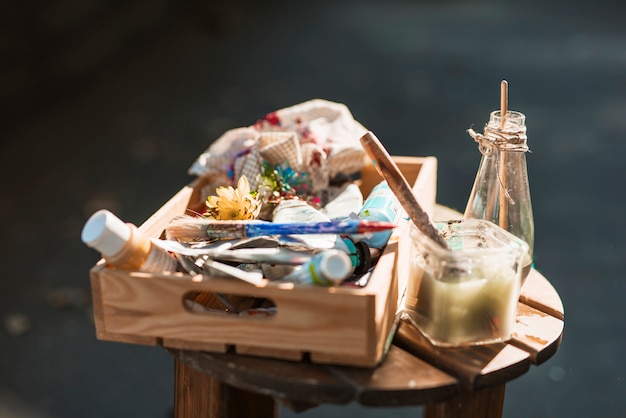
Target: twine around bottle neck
[[508, 138], [512, 138]]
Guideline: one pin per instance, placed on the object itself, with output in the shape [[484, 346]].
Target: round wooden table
[[459, 382]]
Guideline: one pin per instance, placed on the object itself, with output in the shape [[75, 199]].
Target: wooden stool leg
[[197, 395], [483, 403]]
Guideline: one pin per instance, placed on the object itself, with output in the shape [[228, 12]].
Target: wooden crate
[[339, 325]]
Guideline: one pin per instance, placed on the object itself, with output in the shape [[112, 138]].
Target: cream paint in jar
[[467, 295]]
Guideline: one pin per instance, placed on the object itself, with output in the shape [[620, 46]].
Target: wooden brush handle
[[400, 187]]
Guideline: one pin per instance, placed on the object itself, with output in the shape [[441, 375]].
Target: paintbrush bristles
[[186, 228]]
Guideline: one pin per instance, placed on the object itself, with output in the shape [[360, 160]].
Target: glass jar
[[501, 192], [468, 294]]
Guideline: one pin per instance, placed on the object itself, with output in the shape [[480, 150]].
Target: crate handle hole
[[210, 303]]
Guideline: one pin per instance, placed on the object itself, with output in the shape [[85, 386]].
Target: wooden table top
[[414, 372]]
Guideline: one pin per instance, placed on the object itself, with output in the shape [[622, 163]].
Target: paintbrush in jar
[[187, 228], [388, 169], [503, 213]]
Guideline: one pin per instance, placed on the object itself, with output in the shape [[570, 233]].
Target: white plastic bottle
[[380, 205], [123, 246]]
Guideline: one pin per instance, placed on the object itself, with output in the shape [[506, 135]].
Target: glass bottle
[[501, 193]]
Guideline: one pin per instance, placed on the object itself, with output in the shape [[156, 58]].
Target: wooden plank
[[411, 168], [293, 355], [191, 391], [155, 224], [540, 294], [537, 333], [483, 403], [99, 315], [297, 382], [133, 305], [474, 366], [194, 345], [199, 395], [402, 379], [425, 186]]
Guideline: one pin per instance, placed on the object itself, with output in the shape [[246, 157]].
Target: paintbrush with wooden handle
[[388, 169]]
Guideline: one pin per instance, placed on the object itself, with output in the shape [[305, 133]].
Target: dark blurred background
[[105, 104]]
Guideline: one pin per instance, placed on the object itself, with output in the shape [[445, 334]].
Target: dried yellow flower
[[233, 204]]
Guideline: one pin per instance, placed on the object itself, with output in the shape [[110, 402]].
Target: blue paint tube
[[380, 205]]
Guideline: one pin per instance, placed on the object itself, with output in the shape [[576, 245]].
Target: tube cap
[[335, 265], [105, 233]]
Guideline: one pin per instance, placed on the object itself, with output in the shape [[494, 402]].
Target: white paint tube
[[326, 268]]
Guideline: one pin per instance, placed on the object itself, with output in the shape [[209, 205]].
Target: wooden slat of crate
[[152, 304], [334, 325]]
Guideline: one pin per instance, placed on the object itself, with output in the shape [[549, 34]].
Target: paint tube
[[380, 205], [326, 268], [359, 253], [123, 246], [347, 201], [294, 210]]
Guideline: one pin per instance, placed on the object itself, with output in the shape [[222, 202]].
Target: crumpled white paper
[[318, 137]]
